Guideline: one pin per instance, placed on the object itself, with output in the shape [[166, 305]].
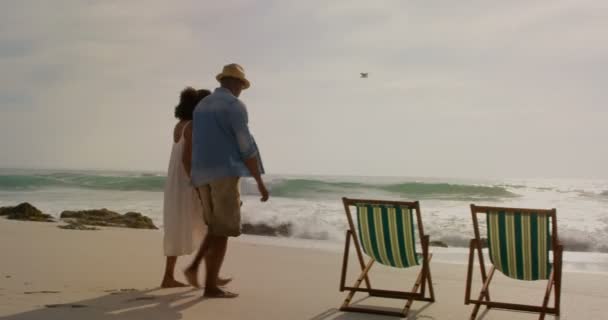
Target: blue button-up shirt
[[221, 140]]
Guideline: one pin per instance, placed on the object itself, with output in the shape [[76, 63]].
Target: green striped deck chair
[[386, 231], [386, 234], [520, 245]]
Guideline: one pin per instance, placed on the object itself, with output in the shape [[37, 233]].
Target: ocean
[[312, 205]]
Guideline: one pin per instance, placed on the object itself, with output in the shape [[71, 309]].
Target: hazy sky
[[456, 88]]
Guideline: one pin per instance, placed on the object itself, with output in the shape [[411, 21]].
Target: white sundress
[[182, 210]]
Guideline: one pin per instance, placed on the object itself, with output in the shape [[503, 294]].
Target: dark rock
[[100, 214], [25, 212], [262, 229], [76, 226], [312, 235], [574, 244], [138, 221], [107, 218], [437, 243], [601, 248]]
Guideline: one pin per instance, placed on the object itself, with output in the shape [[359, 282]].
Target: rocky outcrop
[[262, 229], [100, 215], [76, 226], [138, 221], [25, 212], [437, 243], [107, 218]]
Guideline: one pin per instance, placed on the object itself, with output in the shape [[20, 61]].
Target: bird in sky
[[364, 75]]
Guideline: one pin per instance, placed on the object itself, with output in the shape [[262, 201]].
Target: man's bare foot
[[172, 283], [192, 277], [219, 293], [223, 281]]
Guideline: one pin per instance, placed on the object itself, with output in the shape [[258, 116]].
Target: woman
[[183, 213]]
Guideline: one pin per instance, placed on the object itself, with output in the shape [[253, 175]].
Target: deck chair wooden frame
[[418, 291], [554, 280]]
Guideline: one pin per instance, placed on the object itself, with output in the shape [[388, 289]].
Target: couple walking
[[212, 149]]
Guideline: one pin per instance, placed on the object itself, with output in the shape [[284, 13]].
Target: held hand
[[263, 192]]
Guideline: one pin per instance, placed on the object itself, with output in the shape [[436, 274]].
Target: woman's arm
[[187, 154]]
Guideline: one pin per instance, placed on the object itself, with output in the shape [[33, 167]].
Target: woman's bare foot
[[171, 283], [219, 293], [223, 281], [192, 277]]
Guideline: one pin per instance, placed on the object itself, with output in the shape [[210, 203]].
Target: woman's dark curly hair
[[188, 99]]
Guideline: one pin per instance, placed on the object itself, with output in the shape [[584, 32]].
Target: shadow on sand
[[119, 305], [336, 314]]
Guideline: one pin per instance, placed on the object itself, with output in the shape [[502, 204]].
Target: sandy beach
[[49, 273]]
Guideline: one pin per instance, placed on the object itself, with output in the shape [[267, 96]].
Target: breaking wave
[[287, 188]]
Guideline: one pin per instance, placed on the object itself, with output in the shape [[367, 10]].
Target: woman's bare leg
[[169, 280]]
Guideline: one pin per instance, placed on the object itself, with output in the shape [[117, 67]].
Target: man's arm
[[253, 166], [247, 146]]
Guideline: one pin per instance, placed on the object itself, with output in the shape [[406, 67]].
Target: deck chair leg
[[483, 294], [483, 271], [345, 260], [349, 234], [361, 260], [557, 297], [547, 296], [430, 280], [417, 286], [558, 278], [425, 264], [352, 292], [467, 293]]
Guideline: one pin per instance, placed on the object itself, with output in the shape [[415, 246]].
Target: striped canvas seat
[[386, 233], [519, 244]]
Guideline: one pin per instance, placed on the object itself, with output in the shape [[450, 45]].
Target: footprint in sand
[[44, 291], [121, 291], [65, 305], [142, 299]]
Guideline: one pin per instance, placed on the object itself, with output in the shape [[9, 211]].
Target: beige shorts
[[222, 206]]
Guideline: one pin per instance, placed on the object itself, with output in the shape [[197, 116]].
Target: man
[[223, 150]]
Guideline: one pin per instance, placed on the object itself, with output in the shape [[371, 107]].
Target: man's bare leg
[[213, 261], [191, 273], [169, 280]]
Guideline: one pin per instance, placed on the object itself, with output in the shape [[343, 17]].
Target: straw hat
[[234, 70]]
